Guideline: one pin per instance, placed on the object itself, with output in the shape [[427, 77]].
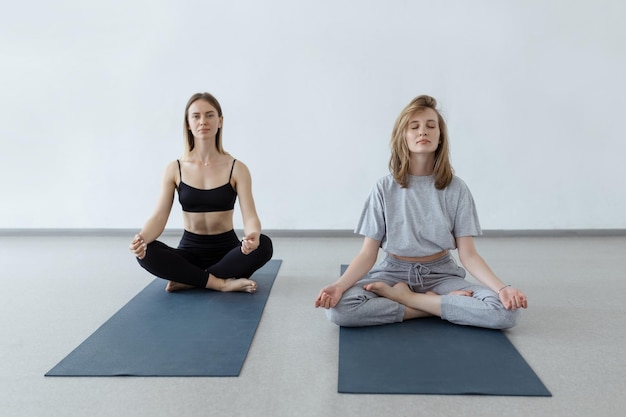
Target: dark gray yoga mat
[[187, 333], [432, 356]]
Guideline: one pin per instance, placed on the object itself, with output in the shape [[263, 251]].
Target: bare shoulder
[[242, 180], [172, 165], [240, 168], [171, 171]]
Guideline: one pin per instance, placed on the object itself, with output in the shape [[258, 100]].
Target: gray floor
[[56, 290]]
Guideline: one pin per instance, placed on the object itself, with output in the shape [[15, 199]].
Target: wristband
[[507, 285]]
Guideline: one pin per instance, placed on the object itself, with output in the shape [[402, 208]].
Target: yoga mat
[[432, 356], [187, 333]]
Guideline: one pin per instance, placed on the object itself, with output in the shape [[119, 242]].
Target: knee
[[346, 313], [156, 246], [266, 246], [341, 317], [508, 319], [152, 247], [501, 317]]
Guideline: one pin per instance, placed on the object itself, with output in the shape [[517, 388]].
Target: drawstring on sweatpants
[[417, 270]]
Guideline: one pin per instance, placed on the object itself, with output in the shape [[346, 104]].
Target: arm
[[156, 223], [511, 298], [330, 295], [251, 222]]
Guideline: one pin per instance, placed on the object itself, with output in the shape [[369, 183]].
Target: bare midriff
[[420, 259], [211, 223]]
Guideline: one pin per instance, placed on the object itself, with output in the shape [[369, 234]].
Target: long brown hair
[[188, 135], [400, 155]]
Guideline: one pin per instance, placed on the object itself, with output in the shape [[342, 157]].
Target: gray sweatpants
[[359, 307]]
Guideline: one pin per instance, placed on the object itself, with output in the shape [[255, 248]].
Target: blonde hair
[[400, 155], [188, 135]]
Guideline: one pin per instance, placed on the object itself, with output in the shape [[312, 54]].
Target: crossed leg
[[217, 284], [417, 304]]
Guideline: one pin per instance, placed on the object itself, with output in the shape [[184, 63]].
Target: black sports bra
[[195, 200]]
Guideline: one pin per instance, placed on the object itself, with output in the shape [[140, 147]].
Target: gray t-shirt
[[419, 220]]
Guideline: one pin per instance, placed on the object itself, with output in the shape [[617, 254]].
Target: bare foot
[[238, 284], [177, 286], [395, 293], [400, 293], [417, 305], [464, 293]]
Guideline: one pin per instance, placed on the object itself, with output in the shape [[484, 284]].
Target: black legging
[[197, 256]]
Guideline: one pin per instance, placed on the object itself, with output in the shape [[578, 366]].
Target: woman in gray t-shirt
[[417, 214]]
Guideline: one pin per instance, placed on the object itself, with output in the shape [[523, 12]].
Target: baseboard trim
[[309, 233]]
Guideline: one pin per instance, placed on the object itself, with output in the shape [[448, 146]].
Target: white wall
[[92, 100]]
